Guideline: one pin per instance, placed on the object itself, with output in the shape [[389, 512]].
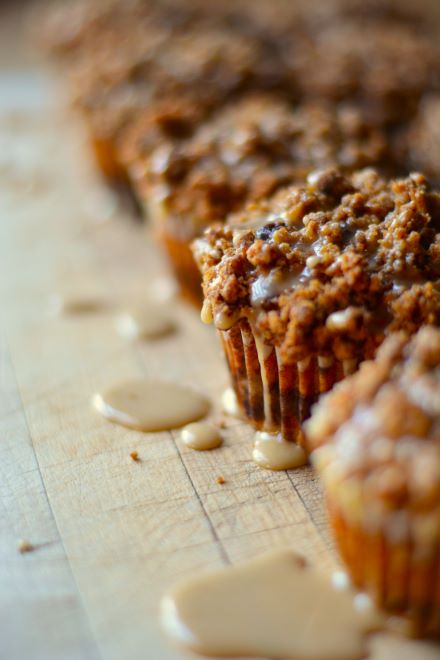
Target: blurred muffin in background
[[245, 153], [384, 68], [376, 445]]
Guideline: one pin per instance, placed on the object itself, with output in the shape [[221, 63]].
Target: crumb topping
[[203, 66], [383, 67], [174, 117], [252, 148], [330, 267], [382, 425]]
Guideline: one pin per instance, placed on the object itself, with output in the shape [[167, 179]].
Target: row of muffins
[[218, 121], [202, 110]]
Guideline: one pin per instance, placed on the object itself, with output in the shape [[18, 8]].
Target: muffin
[[244, 153], [127, 56], [305, 286], [385, 68], [201, 67], [376, 445]]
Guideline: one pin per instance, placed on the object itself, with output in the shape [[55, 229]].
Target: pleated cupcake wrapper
[[397, 577], [175, 240], [274, 395]]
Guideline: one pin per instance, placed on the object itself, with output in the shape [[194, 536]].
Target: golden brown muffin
[[305, 286], [123, 57], [376, 445], [203, 68]]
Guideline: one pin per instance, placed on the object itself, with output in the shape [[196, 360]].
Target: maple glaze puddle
[[162, 289], [201, 436], [272, 606], [151, 405], [146, 322], [75, 305], [273, 453]]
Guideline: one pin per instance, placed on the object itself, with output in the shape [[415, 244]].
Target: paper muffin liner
[[184, 267], [274, 395], [401, 575], [175, 235]]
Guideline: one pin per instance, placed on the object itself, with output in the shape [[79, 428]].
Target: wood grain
[[110, 534]]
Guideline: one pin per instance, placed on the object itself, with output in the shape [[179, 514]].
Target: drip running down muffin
[[376, 445], [305, 286], [246, 152]]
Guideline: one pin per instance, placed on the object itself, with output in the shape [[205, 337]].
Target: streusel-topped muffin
[[376, 442], [202, 67], [305, 286], [383, 67]]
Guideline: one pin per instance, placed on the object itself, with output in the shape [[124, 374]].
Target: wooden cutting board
[[110, 534]]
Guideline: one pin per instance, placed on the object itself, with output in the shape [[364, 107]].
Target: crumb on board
[[134, 456], [221, 480], [24, 546], [220, 422]]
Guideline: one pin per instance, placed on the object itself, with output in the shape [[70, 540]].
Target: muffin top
[[209, 66], [252, 148], [381, 426], [330, 267]]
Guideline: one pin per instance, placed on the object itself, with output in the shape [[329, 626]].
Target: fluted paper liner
[[400, 578], [275, 395]]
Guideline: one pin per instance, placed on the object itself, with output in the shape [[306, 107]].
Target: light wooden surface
[[110, 535]]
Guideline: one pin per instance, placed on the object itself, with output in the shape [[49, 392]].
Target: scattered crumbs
[[24, 546], [221, 480], [134, 456]]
